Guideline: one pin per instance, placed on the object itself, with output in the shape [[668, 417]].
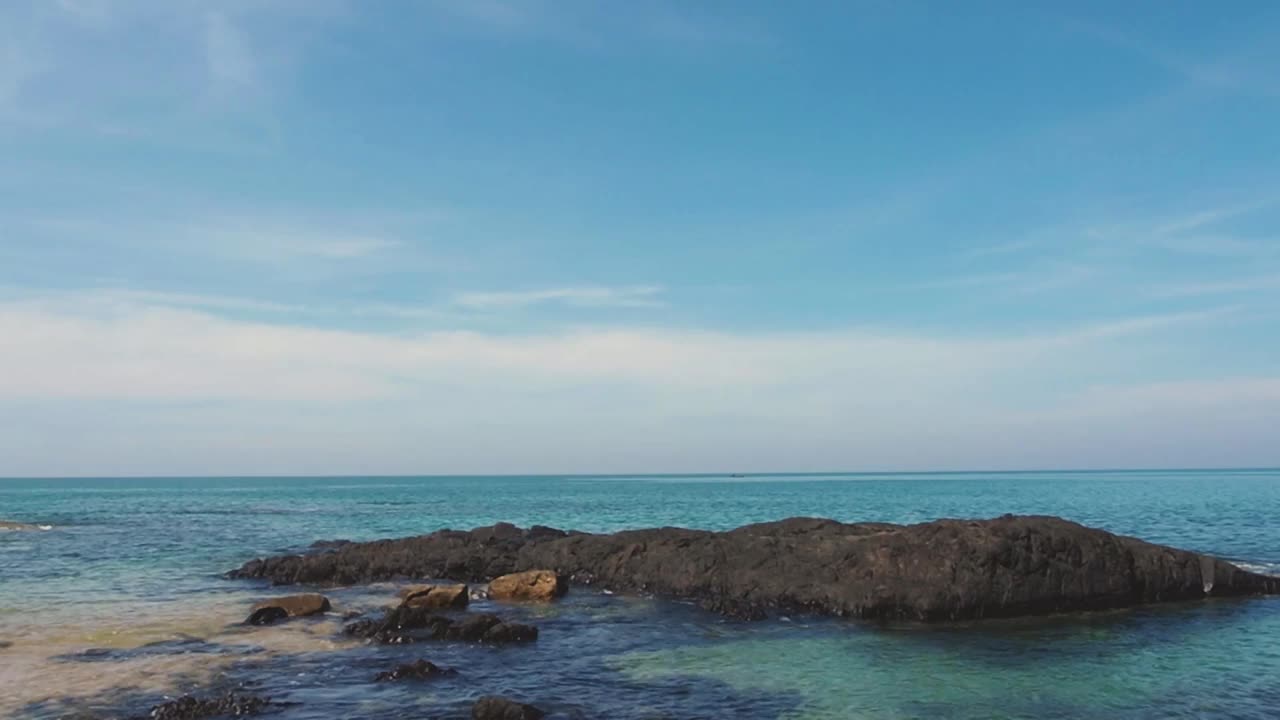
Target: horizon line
[[728, 475]]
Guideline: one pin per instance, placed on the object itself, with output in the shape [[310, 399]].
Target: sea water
[[122, 602]]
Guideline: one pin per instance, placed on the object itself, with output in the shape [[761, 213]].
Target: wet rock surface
[[407, 624], [267, 616], [439, 597], [529, 586], [269, 611], [498, 708], [936, 571], [191, 708], [420, 670]]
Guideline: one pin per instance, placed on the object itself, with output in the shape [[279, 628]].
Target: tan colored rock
[[436, 597], [297, 605], [529, 586]]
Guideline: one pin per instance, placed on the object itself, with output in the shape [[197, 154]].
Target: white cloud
[[636, 296], [224, 395]]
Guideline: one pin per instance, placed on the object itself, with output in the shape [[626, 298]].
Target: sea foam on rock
[[935, 571]]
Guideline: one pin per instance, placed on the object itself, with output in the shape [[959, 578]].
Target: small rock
[[498, 708], [436, 597], [190, 708], [503, 633], [529, 586], [293, 605], [420, 670]]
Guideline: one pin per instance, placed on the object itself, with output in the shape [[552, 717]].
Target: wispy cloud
[[605, 27], [1227, 74], [266, 240], [1012, 247], [635, 296], [1031, 280], [229, 57], [1251, 284]]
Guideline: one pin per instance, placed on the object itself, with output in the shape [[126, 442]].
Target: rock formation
[[941, 570]]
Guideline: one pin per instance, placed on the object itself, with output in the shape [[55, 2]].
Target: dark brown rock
[[420, 670], [942, 570], [406, 624], [497, 708]]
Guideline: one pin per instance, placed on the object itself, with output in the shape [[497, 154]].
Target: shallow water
[[123, 602]]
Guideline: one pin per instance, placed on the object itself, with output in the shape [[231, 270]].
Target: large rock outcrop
[[942, 570]]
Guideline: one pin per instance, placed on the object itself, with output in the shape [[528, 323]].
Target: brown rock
[[436, 597], [528, 586], [296, 605]]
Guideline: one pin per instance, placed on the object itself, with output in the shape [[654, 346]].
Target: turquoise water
[[150, 552]]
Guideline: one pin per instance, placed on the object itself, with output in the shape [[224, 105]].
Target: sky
[[559, 236]]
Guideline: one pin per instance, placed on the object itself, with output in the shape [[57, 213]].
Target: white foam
[[1262, 568]]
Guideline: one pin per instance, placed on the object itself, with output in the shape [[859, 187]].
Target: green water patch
[[1221, 662]]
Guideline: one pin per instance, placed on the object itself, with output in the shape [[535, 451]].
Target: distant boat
[[737, 475]]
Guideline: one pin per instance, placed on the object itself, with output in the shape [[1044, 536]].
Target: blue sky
[[313, 236]]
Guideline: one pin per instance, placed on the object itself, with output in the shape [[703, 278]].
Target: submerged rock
[[498, 708], [438, 597], [529, 586], [15, 526], [941, 570], [420, 670], [276, 609], [191, 708], [409, 624]]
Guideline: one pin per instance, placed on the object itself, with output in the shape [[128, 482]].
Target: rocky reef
[[936, 571]]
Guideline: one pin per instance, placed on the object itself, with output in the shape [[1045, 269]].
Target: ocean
[[122, 602]]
